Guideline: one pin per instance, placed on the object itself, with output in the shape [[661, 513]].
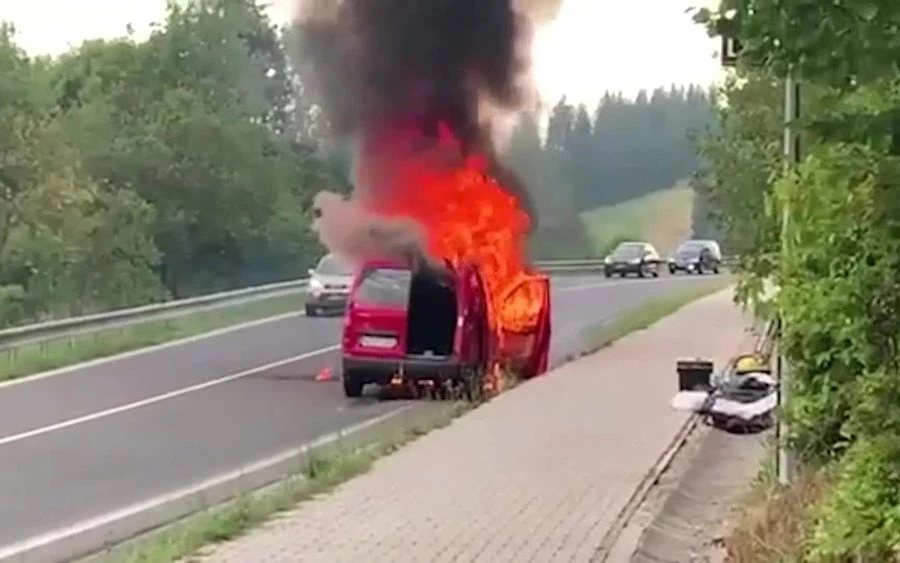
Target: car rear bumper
[[691, 265], [623, 268], [381, 370], [328, 300]]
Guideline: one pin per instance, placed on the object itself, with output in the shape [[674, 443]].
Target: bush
[[859, 518], [12, 305]]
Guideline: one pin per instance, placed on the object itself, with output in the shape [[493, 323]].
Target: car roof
[[392, 263], [633, 243]]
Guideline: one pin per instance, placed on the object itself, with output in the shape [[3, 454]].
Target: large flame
[[464, 212], [414, 82]]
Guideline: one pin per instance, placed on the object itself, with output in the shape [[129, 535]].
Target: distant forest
[[622, 149]]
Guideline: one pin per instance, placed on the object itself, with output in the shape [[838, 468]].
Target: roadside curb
[[608, 547], [91, 537], [639, 519]]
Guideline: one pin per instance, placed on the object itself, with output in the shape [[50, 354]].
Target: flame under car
[[430, 324]]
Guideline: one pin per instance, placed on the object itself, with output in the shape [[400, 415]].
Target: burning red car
[[433, 324], [416, 89]]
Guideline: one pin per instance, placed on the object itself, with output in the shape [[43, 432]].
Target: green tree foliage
[[559, 233], [839, 271], [737, 157], [132, 172], [622, 150]]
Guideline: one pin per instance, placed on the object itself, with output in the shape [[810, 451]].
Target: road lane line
[[146, 350], [158, 398], [127, 522], [616, 283], [156, 347], [215, 382]]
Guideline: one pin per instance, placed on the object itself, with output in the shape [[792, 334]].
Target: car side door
[[471, 347]]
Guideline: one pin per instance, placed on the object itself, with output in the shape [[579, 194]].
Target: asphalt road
[[99, 438]]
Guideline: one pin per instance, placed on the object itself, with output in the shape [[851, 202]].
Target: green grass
[[324, 471], [35, 358], [663, 218], [641, 317]]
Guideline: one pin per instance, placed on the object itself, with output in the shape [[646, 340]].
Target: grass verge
[[662, 218], [641, 317], [325, 470], [770, 524], [35, 358]]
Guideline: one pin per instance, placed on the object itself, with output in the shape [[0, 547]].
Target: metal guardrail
[[75, 326]]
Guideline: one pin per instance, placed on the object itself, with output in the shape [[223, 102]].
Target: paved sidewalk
[[538, 474]]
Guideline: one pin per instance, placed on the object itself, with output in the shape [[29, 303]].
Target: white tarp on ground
[[746, 397]]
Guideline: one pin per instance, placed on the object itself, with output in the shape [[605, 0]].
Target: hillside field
[[662, 218]]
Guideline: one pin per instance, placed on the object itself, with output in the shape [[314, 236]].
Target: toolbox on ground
[[694, 375]]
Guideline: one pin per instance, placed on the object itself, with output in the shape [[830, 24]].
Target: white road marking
[[211, 383], [109, 519], [615, 283], [145, 350], [158, 398], [180, 342]]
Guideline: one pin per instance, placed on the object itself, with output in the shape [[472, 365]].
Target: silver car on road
[[329, 286]]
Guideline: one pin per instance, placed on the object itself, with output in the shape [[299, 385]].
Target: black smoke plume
[[424, 62]]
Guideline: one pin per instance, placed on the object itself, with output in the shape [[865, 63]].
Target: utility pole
[[791, 158], [731, 49]]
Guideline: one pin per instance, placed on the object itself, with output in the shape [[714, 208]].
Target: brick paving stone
[[538, 474]]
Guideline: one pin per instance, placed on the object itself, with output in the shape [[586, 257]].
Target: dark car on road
[[696, 257], [638, 258], [329, 286]]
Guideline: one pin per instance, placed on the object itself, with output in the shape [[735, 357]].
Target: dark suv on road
[[632, 258], [696, 257]]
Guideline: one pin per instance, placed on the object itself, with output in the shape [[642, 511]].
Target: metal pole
[[791, 157]]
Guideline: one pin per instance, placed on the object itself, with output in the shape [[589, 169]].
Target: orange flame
[[465, 213]]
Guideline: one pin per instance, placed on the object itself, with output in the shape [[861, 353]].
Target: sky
[[592, 46]]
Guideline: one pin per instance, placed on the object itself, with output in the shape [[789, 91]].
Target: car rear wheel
[[353, 388], [672, 270]]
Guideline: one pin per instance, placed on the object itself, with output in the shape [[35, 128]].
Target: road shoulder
[[543, 471]]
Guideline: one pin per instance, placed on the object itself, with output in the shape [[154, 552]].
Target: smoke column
[[421, 62]]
